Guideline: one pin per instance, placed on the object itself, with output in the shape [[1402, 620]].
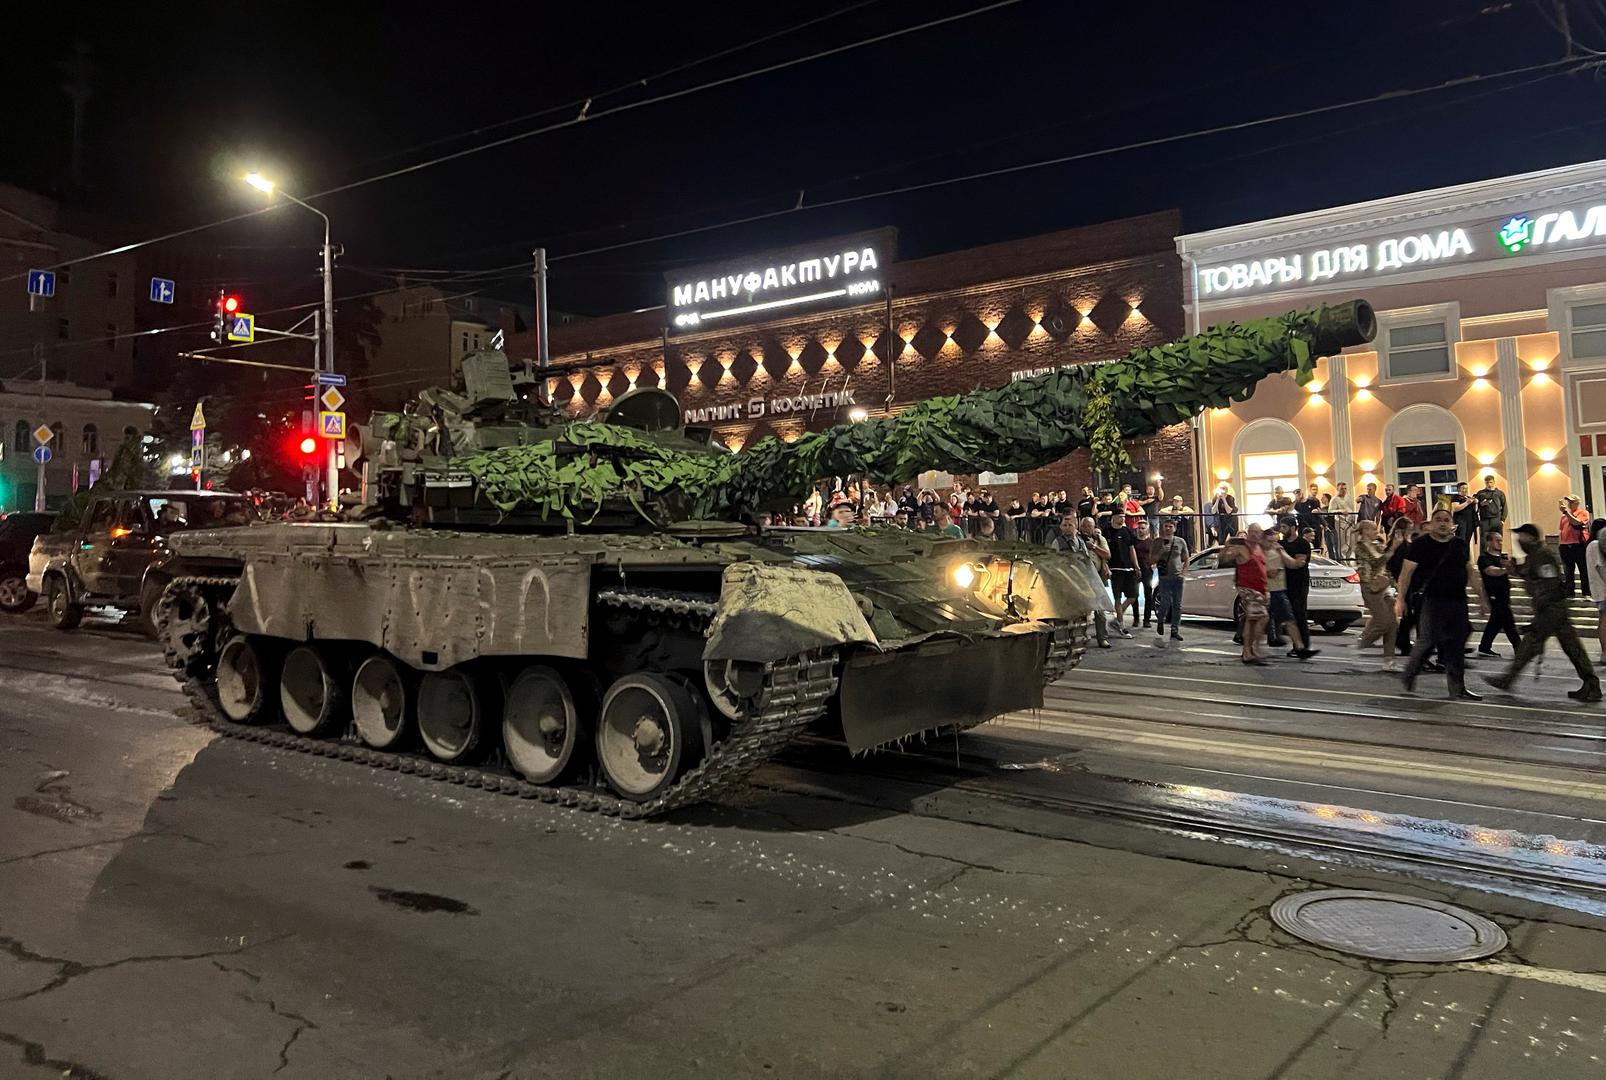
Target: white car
[[1335, 591]]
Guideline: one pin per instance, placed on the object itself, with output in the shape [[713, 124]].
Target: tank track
[[794, 695], [1065, 651]]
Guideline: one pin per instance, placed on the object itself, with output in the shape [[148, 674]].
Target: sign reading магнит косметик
[[838, 272]]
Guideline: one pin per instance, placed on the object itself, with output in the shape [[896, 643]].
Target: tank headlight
[[965, 575]]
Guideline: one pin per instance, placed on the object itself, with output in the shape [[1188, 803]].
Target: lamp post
[[267, 187]]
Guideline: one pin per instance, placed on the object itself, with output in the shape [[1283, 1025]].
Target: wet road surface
[[1077, 892]]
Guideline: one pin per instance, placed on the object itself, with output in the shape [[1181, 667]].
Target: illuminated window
[[1263, 474]]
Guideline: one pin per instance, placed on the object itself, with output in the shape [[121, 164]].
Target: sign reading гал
[[1552, 229], [832, 273]]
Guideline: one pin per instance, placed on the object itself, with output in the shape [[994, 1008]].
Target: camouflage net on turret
[[1021, 426]]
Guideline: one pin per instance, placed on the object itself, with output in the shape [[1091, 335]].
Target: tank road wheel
[[732, 685], [455, 709], [650, 732], [311, 692], [383, 701], [542, 725], [247, 669]]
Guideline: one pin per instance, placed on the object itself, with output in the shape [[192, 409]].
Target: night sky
[[186, 97]]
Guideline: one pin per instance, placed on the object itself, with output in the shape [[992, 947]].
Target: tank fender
[[1065, 586], [769, 612]]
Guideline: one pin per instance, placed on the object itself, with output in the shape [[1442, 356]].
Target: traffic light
[[227, 305], [309, 446]]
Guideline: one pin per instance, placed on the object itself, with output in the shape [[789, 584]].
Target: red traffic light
[[231, 304], [309, 445]]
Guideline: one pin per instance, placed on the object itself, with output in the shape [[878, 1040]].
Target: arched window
[[21, 436], [56, 442], [1268, 454], [1425, 444], [91, 443]]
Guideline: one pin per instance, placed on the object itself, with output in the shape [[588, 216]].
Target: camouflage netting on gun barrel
[[1023, 425]]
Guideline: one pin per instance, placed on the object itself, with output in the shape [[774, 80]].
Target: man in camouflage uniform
[[1542, 574]]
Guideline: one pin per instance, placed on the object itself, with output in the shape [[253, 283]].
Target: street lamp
[[268, 187]]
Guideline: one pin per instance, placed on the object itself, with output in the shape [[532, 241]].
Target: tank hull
[[875, 636]]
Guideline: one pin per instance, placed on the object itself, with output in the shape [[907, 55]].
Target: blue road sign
[[242, 327], [41, 454], [161, 290], [197, 436], [329, 378], [41, 283]]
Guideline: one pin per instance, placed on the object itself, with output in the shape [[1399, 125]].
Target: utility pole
[[39, 486], [331, 450], [267, 187]]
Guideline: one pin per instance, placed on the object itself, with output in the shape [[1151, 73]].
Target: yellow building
[[1490, 356]]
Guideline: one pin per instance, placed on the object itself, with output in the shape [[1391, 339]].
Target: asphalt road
[[1078, 892]]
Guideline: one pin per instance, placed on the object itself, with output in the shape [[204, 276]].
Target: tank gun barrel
[[1021, 426], [1037, 420]]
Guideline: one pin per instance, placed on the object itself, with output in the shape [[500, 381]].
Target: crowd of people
[[976, 512], [1421, 562]]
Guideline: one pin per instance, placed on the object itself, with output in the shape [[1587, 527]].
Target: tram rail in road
[[1024, 785]]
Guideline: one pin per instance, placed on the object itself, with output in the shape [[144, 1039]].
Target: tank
[[590, 613]]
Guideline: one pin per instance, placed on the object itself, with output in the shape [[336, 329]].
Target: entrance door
[[1432, 465], [1590, 472]]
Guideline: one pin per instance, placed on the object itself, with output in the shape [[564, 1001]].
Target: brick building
[[894, 334]]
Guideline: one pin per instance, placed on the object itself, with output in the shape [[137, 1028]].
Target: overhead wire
[[585, 116], [491, 273], [582, 102], [1036, 129], [1575, 63]]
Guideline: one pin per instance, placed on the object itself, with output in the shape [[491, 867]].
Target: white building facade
[[1490, 357]]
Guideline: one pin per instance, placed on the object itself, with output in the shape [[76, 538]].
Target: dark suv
[[113, 558], [17, 533]]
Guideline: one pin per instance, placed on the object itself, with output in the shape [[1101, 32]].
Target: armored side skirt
[[887, 696]]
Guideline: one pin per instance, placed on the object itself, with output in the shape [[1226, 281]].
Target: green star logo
[[1515, 234]]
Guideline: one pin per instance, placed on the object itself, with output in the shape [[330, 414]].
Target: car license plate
[[1326, 583]]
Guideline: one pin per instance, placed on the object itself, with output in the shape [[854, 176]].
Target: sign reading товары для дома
[[839, 272], [1417, 249]]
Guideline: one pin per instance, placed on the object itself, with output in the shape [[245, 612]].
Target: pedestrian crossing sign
[[332, 425], [242, 327]]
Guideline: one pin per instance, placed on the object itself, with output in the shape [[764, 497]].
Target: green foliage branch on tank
[[1013, 428]]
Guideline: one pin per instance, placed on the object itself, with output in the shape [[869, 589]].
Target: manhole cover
[[1384, 926]]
